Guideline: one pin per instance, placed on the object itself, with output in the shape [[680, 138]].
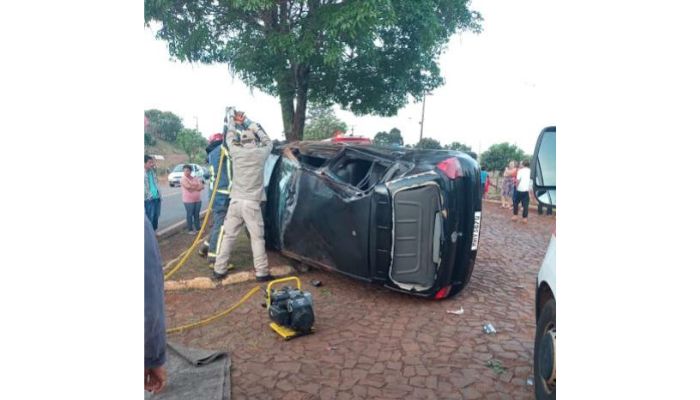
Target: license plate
[[477, 228]]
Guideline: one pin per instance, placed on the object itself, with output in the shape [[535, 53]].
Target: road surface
[[172, 210]]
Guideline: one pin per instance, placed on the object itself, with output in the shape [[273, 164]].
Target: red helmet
[[215, 137]]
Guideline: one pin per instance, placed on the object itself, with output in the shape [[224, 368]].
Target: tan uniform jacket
[[248, 165]]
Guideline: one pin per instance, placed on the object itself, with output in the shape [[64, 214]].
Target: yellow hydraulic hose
[[215, 316], [206, 219]]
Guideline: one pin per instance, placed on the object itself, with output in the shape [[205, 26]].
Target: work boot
[[203, 250], [264, 278], [229, 267], [219, 277]]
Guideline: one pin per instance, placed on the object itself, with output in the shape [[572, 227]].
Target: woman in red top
[[192, 198]]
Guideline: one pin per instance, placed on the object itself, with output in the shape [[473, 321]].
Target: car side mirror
[[544, 167]]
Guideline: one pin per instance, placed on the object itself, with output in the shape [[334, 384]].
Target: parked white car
[[544, 174], [177, 173]]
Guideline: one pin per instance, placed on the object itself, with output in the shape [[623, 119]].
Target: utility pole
[[422, 117], [196, 123]]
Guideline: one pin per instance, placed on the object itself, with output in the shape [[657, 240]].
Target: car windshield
[[178, 168]]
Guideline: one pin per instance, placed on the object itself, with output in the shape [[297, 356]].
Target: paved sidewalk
[[371, 342]]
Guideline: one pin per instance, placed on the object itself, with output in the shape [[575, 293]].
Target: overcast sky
[[498, 86]]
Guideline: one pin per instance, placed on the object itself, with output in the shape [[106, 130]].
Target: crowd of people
[[244, 146], [515, 190]]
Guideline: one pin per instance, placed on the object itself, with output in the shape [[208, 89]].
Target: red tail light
[[451, 167], [442, 293]]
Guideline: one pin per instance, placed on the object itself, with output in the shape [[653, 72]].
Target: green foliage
[[163, 124], [393, 138], [368, 56], [428, 143], [321, 123], [193, 144], [148, 140], [497, 157], [461, 147]]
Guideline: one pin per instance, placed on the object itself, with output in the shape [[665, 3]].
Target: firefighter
[[221, 192], [248, 147]]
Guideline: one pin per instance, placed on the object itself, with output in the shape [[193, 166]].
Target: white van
[[544, 182]]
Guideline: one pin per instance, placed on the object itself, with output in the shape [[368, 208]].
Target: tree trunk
[[285, 85], [302, 89]]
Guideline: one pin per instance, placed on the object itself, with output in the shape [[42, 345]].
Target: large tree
[[499, 155], [368, 56], [428, 143], [322, 122], [393, 138], [162, 124], [461, 147], [193, 143]]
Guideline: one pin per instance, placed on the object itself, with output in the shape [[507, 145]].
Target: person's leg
[[232, 227], [189, 208], [150, 212], [148, 209], [252, 214], [156, 213], [526, 204], [219, 209], [197, 210], [515, 205], [539, 208], [549, 210]]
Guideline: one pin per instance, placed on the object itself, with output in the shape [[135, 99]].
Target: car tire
[[544, 351], [171, 185]]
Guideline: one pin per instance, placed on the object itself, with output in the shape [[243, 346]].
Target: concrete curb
[[175, 228], [203, 282]]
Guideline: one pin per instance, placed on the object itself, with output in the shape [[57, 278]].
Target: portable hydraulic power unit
[[290, 309]]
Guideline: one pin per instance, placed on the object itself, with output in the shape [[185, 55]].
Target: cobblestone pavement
[[371, 342]]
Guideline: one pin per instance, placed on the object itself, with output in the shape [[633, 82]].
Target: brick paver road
[[371, 342]]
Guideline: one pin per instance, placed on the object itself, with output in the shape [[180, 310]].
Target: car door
[[319, 217]]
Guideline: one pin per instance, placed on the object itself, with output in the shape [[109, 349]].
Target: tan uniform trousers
[[242, 212]]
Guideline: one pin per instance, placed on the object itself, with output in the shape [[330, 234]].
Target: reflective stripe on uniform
[[220, 238], [230, 172]]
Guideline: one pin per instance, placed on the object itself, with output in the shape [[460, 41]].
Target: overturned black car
[[408, 219]]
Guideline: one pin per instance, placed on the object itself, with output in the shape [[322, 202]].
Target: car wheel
[[545, 352], [171, 184]]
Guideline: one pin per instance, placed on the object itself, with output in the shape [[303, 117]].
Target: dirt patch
[[197, 266]]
